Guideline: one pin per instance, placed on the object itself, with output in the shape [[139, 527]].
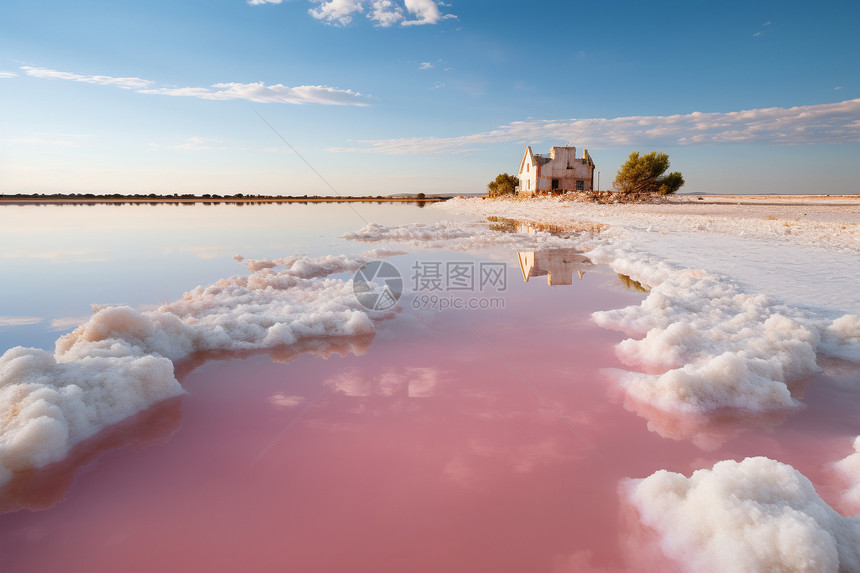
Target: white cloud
[[60, 256], [58, 139], [425, 11], [125, 83], [19, 320], [261, 2], [8, 75], [261, 93], [383, 13], [197, 143], [256, 91], [281, 400], [824, 123], [762, 31], [68, 322], [336, 12], [425, 66]]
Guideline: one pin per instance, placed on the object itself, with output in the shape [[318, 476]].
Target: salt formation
[[719, 347], [469, 237], [120, 361], [716, 345], [850, 468], [791, 226], [754, 515]]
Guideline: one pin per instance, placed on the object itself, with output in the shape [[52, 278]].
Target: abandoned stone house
[[557, 173]]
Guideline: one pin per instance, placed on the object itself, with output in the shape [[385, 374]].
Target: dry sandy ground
[[813, 220], [824, 208]]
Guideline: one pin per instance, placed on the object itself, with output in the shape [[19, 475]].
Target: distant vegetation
[[238, 198], [504, 184], [643, 175]]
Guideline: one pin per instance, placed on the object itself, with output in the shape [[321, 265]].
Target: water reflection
[[321, 347], [707, 431], [569, 228], [557, 265], [42, 488], [631, 284]]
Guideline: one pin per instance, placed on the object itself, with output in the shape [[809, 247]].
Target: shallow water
[[477, 440], [57, 261]]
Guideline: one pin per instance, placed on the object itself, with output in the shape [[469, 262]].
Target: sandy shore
[[821, 208], [831, 222], [825, 208]]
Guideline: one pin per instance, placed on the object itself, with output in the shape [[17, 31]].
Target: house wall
[[528, 175], [563, 166]]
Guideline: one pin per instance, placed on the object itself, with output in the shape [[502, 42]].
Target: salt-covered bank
[[734, 318], [121, 361], [740, 312]]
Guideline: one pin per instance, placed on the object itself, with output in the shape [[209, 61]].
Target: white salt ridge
[[719, 346], [119, 362], [473, 237], [850, 468], [305, 267], [749, 516], [381, 253], [808, 263], [791, 228]]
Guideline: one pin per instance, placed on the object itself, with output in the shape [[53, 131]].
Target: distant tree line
[[191, 197]]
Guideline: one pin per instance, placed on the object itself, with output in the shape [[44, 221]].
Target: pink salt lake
[[433, 449]]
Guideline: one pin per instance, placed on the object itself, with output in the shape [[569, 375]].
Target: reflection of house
[[559, 172], [557, 264]]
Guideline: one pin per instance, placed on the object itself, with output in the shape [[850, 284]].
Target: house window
[[527, 167], [529, 185], [580, 185], [555, 184]]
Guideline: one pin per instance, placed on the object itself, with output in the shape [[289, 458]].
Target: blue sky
[[389, 96]]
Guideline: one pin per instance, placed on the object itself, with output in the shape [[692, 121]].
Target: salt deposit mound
[[715, 345], [718, 346], [850, 468], [120, 361], [754, 515], [470, 237]]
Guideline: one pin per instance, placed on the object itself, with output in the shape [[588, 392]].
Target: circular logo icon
[[377, 285]]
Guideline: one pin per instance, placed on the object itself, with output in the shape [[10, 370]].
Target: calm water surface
[[480, 440]]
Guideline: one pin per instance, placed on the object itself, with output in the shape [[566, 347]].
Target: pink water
[[431, 452]]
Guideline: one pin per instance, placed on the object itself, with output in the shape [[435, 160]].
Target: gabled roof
[[533, 158], [527, 156]]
